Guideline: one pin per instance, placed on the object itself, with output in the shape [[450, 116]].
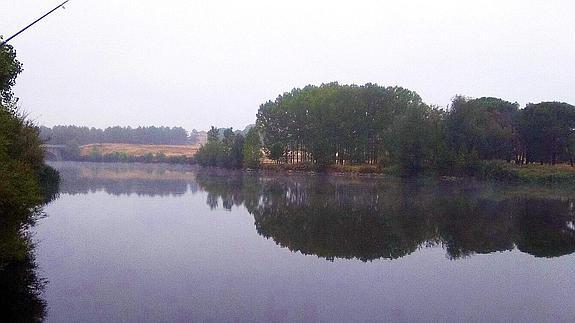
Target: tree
[[226, 152], [546, 129], [252, 153], [213, 134], [10, 67], [332, 123], [21, 154], [236, 154], [414, 138], [485, 127]]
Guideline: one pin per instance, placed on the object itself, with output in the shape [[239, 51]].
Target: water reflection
[[126, 179], [361, 218], [368, 219], [21, 286]]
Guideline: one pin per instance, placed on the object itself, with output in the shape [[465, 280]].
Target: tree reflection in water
[[360, 218], [125, 179], [20, 285], [367, 219]]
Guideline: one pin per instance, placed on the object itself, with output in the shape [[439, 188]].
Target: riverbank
[[484, 170], [530, 173], [331, 169]]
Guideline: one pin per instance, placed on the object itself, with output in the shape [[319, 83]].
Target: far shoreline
[[498, 171]]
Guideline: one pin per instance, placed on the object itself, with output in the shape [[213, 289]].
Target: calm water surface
[[152, 243]]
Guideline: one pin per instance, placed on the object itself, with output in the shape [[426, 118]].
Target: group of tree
[[96, 155], [230, 149], [371, 124], [25, 184], [63, 135], [22, 168]]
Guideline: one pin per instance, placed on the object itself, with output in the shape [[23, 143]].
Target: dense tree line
[[230, 149], [370, 124], [336, 124], [127, 135], [95, 155]]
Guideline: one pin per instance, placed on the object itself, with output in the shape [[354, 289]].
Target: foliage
[[226, 151], [213, 134], [25, 183], [413, 139], [484, 126], [123, 157], [547, 132], [252, 149], [21, 156], [10, 67], [332, 123], [335, 124], [74, 135]]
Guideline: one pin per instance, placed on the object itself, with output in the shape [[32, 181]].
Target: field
[[141, 150]]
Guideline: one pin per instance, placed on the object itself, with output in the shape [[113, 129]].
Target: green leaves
[[252, 149], [547, 131], [225, 152], [10, 67], [333, 123]]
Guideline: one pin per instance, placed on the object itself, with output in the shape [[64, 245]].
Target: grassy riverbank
[[484, 170], [531, 173], [331, 169]]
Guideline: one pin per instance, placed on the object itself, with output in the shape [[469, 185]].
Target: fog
[[200, 63]]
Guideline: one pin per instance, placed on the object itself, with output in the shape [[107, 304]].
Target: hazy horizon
[[107, 63]]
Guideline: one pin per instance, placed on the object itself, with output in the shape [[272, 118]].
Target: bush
[[494, 170]]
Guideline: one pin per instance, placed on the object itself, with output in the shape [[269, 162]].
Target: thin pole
[[35, 21]]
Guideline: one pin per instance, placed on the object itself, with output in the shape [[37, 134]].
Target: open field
[[141, 150]]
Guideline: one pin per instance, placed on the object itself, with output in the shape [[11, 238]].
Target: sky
[[194, 64]]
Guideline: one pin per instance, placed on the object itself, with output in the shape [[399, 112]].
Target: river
[[158, 243]]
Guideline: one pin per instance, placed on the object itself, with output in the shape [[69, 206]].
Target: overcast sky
[[200, 63]]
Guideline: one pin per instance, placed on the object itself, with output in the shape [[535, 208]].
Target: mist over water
[[176, 243]]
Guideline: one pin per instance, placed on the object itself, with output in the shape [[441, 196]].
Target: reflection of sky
[[120, 179], [143, 258], [157, 256], [350, 217]]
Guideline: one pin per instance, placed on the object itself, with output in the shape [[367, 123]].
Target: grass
[[532, 173], [546, 173], [141, 150], [485, 170], [330, 169]]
